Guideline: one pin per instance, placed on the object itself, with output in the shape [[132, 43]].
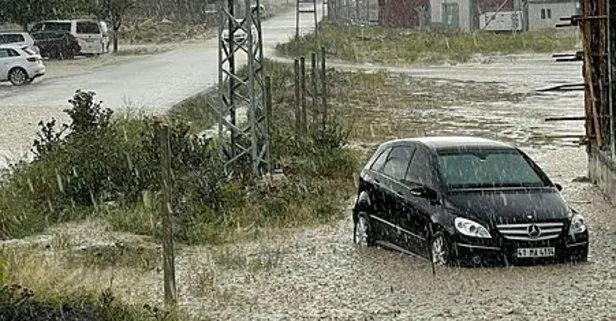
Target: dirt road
[[151, 83]]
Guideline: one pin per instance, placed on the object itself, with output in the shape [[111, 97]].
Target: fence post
[[268, 119], [298, 121], [323, 89], [302, 63], [315, 89], [167, 213]]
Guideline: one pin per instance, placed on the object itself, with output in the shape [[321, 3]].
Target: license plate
[[536, 252]]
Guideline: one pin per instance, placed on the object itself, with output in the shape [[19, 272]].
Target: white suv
[[18, 38], [20, 65]]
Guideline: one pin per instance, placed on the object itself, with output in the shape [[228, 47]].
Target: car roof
[[13, 32], [453, 142], [12, 46]]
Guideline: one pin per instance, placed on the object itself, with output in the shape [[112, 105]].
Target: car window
[[12, 38], [58, 26], [88, 27], [378, 163], [398, 162], [4, 53], [488, 169], [37, 27], [420, 171]]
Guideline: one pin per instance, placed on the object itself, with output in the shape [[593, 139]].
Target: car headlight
[[578, 224], [471, 228]]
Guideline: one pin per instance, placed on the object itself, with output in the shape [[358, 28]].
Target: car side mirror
[[425, 192], [558, 187]]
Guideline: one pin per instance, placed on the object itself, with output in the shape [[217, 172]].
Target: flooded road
[[317, 273]]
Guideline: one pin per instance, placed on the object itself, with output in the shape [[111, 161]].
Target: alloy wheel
[[439, 251], [361, 232], [18, 77]]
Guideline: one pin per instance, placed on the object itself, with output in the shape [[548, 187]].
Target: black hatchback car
[[465, 201]]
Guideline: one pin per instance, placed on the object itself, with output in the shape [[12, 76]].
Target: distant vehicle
[[19, 64], [465, 201], [18, 38], [262, 11], [239, 35], [56, 44], [92, 35]]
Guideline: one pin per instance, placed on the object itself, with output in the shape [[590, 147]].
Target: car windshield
[[487, 169]]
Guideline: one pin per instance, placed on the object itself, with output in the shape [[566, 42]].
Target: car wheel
[[362, 234], [440, 250], [18, 76]]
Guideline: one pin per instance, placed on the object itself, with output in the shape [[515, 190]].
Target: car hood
[[509, 206]]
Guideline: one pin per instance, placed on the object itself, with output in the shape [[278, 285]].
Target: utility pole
[[247, 140]]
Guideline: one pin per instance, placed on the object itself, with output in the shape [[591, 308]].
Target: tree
[[112, 11], [23, 12]]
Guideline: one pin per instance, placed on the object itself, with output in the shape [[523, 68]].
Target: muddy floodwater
[[317, 274]]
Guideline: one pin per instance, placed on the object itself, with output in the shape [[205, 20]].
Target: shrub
[[20, 303]]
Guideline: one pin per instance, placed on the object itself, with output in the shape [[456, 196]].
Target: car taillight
[[32, 59]]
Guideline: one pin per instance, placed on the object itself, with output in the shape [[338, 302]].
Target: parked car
[[92, 35], [239, 35], [56, 44], [466, 201], [19, 64], [263, 15], [18, 38]]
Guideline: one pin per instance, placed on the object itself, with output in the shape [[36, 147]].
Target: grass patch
[[124, 50], [114, 255], [53, 293], [233, 258], [149, 31], [401, 46]]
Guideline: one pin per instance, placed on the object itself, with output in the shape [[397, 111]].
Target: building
[[471, 15], [544, 14], [452, 14], [403, 13]]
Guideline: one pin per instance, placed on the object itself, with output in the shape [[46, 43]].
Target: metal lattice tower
[[299, 11], [240, 39]]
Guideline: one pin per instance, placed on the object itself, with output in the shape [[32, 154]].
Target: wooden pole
[[298, 121], [323, 89], [167, 213], [315, 89], [302, 62], [268, 120]]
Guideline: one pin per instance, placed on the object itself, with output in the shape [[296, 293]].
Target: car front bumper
[[468, 251]]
